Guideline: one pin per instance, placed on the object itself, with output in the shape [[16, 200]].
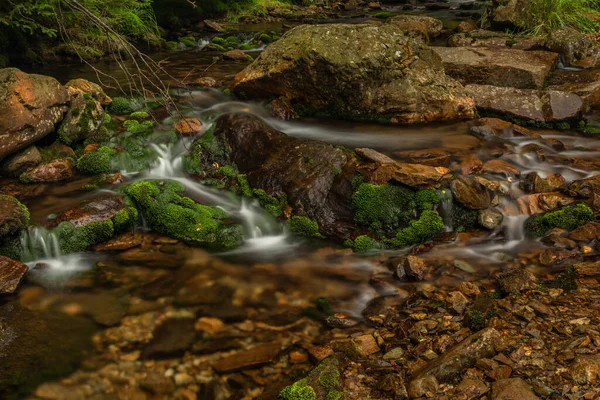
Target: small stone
[[415, 267], [188, 127], [319, 353], [470, 388], [206, 82], [209, 325], [458, 301], [394, 354], [470, 193], [157, 383], [183, 379], [512, 389], [235, 55], [469, 289], [517, 280], [298, 356], [490, 218], [357, 347], [500, 167], [256, 356]]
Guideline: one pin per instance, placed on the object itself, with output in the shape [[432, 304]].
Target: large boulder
[[358, 72], [584, 83], [30, 107], [512, 13], [81, 86], [14, 218], [497, 66], [527, 104], [83, 119]]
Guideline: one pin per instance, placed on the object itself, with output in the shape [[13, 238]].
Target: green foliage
[[363, 244], [544, 16], [568, 218], [244, 185], [429, 225], [304, 226], [96, 162], [30, 16], [384, 14], [383, 206], [171, 214]]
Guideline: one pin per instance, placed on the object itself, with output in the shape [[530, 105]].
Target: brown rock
[[528, 104], [517, 280], [491, 39], [17, 163], [500, 167], [490, 218], [124, 241], [235, 55], [512, 389], [553, 200], [157, 383], [470, 193], [80, 86], [356, 347], [586, 233], [251, 358], [487, 127], [319, 353], [552, 256], [415, 267], [498, 67], [11, 274], [455, 361], [57, 170], [188, 127], [205, 82], [423, 25], [533, 183], [420, 176], [213, 26], [374, 155], [431, 157], [282, 109], [90, 148], [585, 370], [465, 26], [458, 301], [469, 389], [374, 5], [30, 106], [587, 268], [471, 166], [585, 84]]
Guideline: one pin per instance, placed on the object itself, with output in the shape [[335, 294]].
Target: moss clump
[[73, 239], [11, 247], [384, 14], [171, 214], [475, 320], [265, 38], [427, 199], [363, 244], [244, 185], [275, 205], [383, 206], [102, 135], [121, 106], [126, 217], [566, 218], [188, 41], [229, 171], [107, 118], [463, 218], [136, 127], [304, 226], [139, 115], [300, 390], [429, 225], [96, 162]]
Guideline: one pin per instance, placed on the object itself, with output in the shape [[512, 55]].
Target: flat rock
[[497, 66], [512, 389], [426, 26], [11, 274], [585, 84], [470, 193], [56, 170], [356, 347], [494, 39], [456, 360], [527, 104], [420, 176], [188, 127], [587, 232], [495, 127], [250, 358]]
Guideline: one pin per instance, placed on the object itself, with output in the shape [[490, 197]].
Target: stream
[[117, 297]]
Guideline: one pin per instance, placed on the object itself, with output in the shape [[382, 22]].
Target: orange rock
[[188, 127], [90, 148]]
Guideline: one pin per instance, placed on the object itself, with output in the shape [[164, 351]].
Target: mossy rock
[[323, 383], [569, 218], [14, 218], [304, 226], [83, 119], [123, 106], [429, 225], [386, 207], [169, 213], [96, 162], [136, 127], [363, 244], [72, 239]]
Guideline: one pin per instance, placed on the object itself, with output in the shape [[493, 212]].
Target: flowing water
[[272, 270]]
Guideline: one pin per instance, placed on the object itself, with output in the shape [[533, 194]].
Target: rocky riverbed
[[357, 212]]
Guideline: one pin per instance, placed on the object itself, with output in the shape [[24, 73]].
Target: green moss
[[426, 199], [383, 206], [333, 395], [11, 247], [73, 239], [568, 218], [263, 37], [19, 222], [275, 205], [137, 127], [229, 171], [429, 225], [384, 14], [363, 244], [167, 212], [139, 115], [463, 218], [304, 226], [219, 40], [126, 217], [188, 41], [121, 106], [244, 185], [96, 162], [329, 378], [298, 391], [474, 320]]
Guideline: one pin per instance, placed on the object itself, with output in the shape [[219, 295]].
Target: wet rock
[[425, 26], [121, 242], [458, 301], [171, 338], [586, 188], [157, 383], [106, 309], [500, 167], [359, 55], [528, 104], [587, 268], [30, 106], [455, 361], [471, 389], [374, 155], [466, 26], [553, 200], [394, 354], [512, 389], [471, 166], [585, 84], [29, 354], [431, 157], [498, 67], [17, 163], [205, 82], [517, 280], [84, 119], [81, 86], [356, 347], [470, 193], [188, 127], [235, 55], [490, 218], [415, 267], [420, 176], [377, 309], [571, 44], [512, 12], [553, 256], [250, 358], [57, 170], [11, 274], [490, 127], [533, 183], [585, 370], [586, 233], [282, 109], [491, 39], [213, 26]]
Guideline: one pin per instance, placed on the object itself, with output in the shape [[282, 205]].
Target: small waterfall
[[445, 210], [39, 243]]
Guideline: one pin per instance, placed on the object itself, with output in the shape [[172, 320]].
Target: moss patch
[[566, 218], [180, 217], [304, 226], [96, 162], [383, 206], [73, 239], [363, 244], [429, 225]]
